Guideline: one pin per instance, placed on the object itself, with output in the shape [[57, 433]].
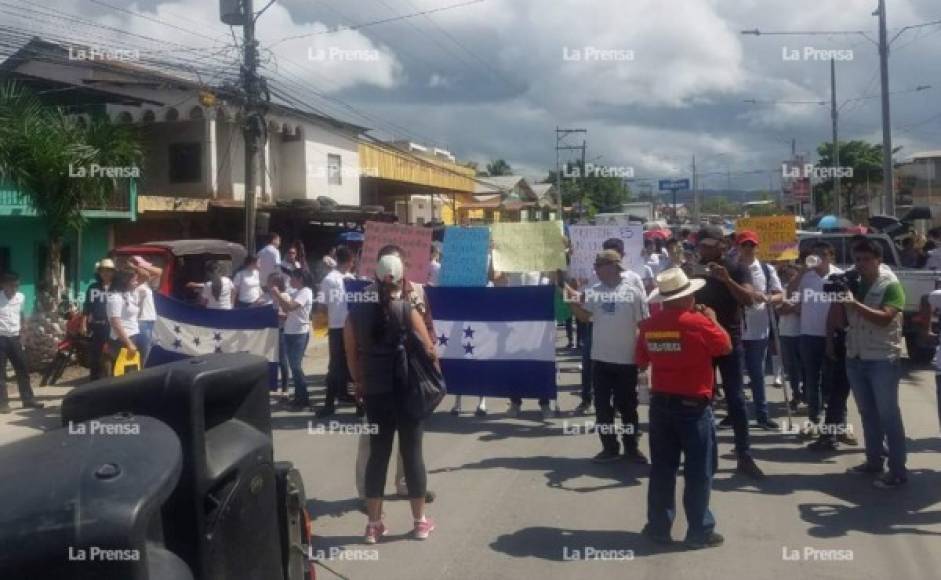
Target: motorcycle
[[72, 349]]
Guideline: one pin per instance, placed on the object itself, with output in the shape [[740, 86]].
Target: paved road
[[518, 498]]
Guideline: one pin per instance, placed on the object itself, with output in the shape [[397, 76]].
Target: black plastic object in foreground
[[84, 503], [221, 519]]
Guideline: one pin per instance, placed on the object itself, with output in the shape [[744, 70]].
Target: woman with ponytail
[[218, 291], [374, 338]]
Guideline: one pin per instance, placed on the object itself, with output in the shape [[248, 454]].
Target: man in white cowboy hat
[[679, 344], [95, 311]]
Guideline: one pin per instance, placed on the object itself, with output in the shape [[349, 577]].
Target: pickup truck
[[916, 282]]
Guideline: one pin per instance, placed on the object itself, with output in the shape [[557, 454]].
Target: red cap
[[746, 236]]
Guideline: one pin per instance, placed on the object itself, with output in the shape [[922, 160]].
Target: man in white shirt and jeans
[[814, 310], [615, 307], [756, 333], [333, 300], [11, 322]]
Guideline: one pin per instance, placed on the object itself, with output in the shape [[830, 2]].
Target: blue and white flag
[[183, 331], [496, 342]]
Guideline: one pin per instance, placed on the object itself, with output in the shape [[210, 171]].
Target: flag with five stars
[[496, 342], [183, 331]]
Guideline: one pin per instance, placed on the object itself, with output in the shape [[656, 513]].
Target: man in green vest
[[873, 348]]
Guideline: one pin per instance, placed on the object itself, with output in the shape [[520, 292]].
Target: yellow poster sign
[[778, 235], [528, 247]]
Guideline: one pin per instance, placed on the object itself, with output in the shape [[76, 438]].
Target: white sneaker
[[481, 409], [513, 410]]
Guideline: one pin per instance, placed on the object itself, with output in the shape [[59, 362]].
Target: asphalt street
[[520, 498]]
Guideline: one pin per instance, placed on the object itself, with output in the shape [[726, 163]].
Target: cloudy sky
[[653, 81]]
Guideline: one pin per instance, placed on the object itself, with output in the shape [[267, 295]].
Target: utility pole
[[255, 95], [888, 177], [834, 116], [696, 208], [560, 136]]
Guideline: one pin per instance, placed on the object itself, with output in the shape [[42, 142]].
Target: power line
[[377, 22]]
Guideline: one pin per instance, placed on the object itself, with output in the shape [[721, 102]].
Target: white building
[[192, 134]]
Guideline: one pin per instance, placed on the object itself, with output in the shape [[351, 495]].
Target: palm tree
[[499, 167], [43, 153]]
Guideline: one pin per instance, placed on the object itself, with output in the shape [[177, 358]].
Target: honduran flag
[[496, 342], [183, 331]]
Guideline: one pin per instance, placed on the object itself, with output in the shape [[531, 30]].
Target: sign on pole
[[674, 185]]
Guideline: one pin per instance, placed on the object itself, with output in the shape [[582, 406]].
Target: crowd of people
[[700, 306]]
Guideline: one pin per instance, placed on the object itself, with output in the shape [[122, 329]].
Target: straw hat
[[673, 284]]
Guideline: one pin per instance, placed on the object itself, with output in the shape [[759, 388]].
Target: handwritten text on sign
[[586, 243], [778, 235], [528, 247], [466, 252], [415, 241]]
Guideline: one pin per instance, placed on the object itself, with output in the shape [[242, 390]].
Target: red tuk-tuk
[[183, 261]]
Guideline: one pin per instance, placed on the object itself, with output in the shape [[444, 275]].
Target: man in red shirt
[[678, 344]]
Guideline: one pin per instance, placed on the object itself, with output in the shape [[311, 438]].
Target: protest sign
[[465, 255], [778, 235], [586, 242], [528, 247], [415, 241]]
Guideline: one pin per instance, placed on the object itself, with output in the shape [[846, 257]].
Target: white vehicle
[[916, 282]]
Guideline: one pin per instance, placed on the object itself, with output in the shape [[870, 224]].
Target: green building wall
[[25, 238]]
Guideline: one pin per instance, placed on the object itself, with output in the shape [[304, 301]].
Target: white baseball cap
[[390, 269]]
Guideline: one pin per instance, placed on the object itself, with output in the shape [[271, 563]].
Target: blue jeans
[[681, 427], [730, 369], [755, 351], [875, 385], [296, 347], [585, 335], [791, 359], [145, 339], [812, 354]]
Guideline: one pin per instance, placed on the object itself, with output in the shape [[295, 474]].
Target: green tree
[[42, 152], [595, 193], [719, 205], [865, 161], [499, 167]]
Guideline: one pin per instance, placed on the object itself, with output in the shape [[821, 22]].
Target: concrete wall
[[319, 144]]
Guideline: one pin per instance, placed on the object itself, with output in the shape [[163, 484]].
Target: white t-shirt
[[934, 299], [248, 284], [10, 315], [615, 314], [757, 324], [814, 306], [333, 289], [298, 320], [225, 295], [145, 298], [629, 276], [269, 258], [125, 307]]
